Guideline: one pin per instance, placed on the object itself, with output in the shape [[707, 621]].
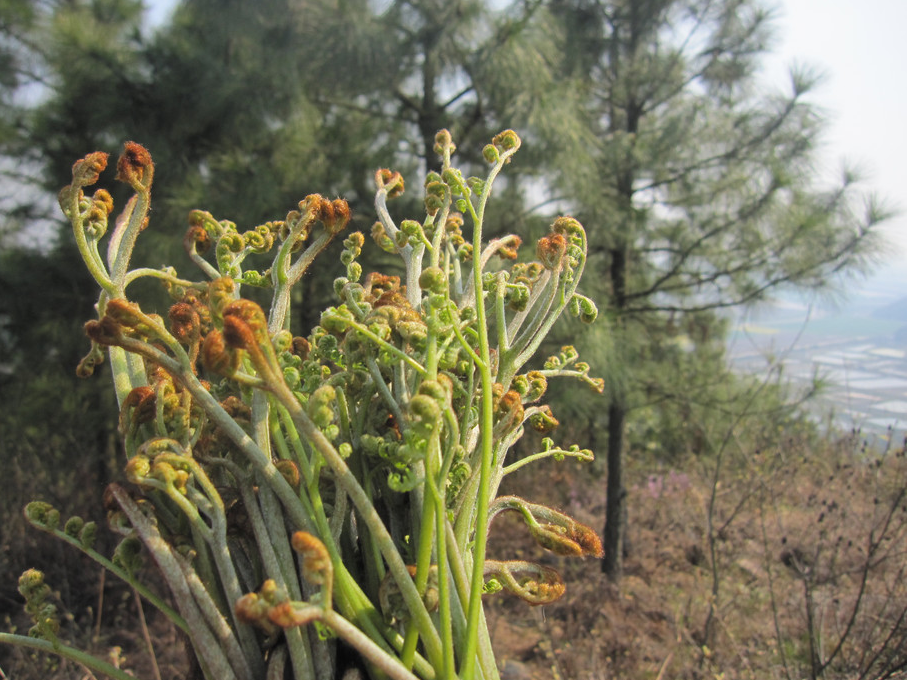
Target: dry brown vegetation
[[803, 577]]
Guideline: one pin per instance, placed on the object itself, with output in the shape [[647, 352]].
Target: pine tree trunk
[[617, 416], [612, 565]]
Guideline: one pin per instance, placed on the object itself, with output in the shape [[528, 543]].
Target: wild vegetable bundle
[[294, 490]]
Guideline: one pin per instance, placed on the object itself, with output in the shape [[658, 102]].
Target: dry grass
[[98, 613], [115, 635], [803, 577], [806, 545]]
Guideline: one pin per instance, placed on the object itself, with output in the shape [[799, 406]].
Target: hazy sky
[[861, 47]]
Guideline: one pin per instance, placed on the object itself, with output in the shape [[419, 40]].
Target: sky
[[861, 48]]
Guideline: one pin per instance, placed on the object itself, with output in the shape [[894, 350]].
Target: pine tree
[[20, 75], [701, 183]]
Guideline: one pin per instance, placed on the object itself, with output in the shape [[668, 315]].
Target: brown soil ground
[[804, 576], [786, 564]]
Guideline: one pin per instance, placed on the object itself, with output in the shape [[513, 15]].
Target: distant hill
[[893, 311]]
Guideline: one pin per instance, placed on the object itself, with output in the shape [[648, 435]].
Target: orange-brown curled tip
[[566, 225], [588, 540], [248, 311], [391, 181], [509, 247], [104, 200], [340, 210], [249, 609], [511, 401], [551, 538], [237, 333], [335, 215], [104, 332], [138, 155], [86, 366], [548, 588], [142, 399], [282, 615], [87, 170], [236, 408], [551, 249], [290, 472], [215, 356], [124, 312], [286, 615], [184, 322], [304, 542], [243, 321], [506, 140], [301, 347], [135, 162], [316, 561], [197, 236], [326, 212], [312, 203]]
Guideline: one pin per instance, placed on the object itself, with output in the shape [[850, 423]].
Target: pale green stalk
[[582, 454], [119, 252], [487, 665], [127, 372], [383, 344], [423, 562], [297, 642], [207, 268], [365, 645], [142, 589], [369, 515], [218, 650], [90, 662], [89, 253], [135, 274], [412, 257], [486, 437], [215, 536], [352, 600], [444, 607], [280, 276]]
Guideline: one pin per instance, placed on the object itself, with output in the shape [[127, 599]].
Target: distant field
[[842, 327], [873, 308]]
